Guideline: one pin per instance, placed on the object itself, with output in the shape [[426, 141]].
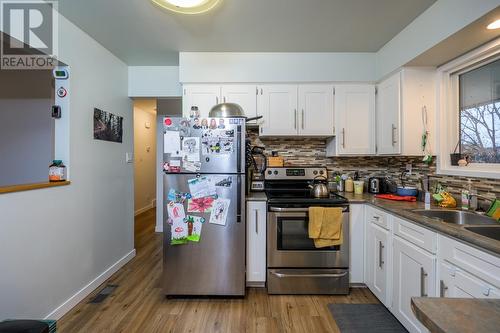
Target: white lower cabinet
[[414, 275], [454, 282], [356, 243], [256, 243], [378, 263]]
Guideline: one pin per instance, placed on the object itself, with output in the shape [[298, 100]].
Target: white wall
[[275, 67], [154, 81], [438, 22], [26, 140], [144, 159], [54, 242]]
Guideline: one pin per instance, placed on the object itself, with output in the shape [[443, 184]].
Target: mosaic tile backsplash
[[312, 151]]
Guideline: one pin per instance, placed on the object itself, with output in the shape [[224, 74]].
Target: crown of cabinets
[[286, 109]]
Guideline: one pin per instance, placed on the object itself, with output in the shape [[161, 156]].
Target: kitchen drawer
[[308, 281], [422, 237], [377, 217], [479, 263]]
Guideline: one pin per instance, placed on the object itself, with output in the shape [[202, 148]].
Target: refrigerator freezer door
[[221, 143], [216, 264]]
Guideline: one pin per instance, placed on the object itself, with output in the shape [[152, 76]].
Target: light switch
[[129, 157]]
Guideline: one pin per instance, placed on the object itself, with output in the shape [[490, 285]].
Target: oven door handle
[[336, 275], [279, 209], [302, 210]]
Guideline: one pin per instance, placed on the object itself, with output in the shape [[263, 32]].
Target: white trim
[[447, 121], [71, 302], [145, 208]]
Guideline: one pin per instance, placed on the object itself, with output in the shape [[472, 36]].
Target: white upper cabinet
[[316, 110], [388, 116], [245, 95], [355, 119], [278, 106], [405, 110], [203, 96]]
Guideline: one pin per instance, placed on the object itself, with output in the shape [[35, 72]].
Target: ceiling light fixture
[[494, 25], [187, 6]]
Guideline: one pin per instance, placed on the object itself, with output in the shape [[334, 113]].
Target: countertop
[[453, 315], [256, 196], [404, 209]]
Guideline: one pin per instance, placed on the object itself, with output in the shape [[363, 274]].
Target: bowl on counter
[[407, 191]]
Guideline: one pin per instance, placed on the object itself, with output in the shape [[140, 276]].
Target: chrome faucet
[[474, 205]]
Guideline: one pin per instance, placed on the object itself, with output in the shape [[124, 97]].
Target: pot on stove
[[319, 188]]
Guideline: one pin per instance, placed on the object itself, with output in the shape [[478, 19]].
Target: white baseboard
[[158, 228], [145, 208], [64, 308]]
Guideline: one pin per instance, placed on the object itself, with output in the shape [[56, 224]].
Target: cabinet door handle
[[216, 100], [256, 221], [393, 134], [302, 118], [224, 98], [442, 289], [380, 260], [261, 91], [343, 137], [423, 275], [295, 118]]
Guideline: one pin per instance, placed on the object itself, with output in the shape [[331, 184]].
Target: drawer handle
[[256, 221], [442, 289], [380, 248], [423, 275], [336, 275]]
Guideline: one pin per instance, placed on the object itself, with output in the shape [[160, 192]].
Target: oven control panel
[[302, 173]]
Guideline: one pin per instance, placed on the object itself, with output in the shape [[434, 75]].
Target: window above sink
[[468, 113]]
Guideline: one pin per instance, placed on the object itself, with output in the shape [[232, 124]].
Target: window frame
[[448, 115]]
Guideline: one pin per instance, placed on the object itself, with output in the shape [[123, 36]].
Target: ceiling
[[470, 37], [140, 33]]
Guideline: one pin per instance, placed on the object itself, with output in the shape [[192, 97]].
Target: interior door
[[216, 264], [203, 96], [278, 106], [355, 119], [316, 109], [388, 115]]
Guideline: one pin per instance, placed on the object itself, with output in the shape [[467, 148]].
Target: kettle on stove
[[319, 188]]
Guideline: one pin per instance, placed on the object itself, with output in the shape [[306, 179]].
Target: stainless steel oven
[[294, 264]]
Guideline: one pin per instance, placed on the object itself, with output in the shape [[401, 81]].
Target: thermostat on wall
[[60, 74]]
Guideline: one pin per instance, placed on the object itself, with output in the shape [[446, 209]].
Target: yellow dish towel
[[325, 226]]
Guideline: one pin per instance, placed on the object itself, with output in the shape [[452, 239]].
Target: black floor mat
[[365, 318]]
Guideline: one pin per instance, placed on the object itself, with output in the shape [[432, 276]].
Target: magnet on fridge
[[61, 92], [168, 122]]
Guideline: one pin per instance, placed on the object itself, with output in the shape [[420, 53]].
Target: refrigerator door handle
[[238, 148], [238, 199]]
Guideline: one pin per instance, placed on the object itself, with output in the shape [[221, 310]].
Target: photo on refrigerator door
[[217, 142]]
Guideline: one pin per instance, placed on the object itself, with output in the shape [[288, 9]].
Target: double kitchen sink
[[479, 224]]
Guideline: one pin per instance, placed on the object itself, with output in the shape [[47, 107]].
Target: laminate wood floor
[[138, 305]]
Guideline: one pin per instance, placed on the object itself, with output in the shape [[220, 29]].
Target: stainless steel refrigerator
[[204, 164]]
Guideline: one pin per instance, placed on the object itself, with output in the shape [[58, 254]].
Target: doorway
[[145, 114]]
